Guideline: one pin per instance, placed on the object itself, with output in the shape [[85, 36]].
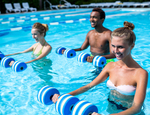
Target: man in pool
[[99, 39]]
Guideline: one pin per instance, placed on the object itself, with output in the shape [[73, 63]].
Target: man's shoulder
[[90, 32], [107, 30], [107, 33]]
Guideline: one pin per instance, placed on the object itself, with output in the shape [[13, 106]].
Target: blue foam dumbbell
[[59, 50], [16, 66], [69, 53], [6, 61], [19, 66], [99, 61], [46, 93], [83, 57], [84, 108], [65, 104], [1, 56]]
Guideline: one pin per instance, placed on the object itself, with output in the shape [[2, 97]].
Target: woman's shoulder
[[141, 77], [34, 45], [141, 72], [110, 65], [139, 69], [48, 45]]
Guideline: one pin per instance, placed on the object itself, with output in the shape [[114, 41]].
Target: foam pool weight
[[45, 94], [19, 66], [6, 61], [65, 104]]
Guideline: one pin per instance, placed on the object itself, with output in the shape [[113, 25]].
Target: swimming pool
[[18, 91]]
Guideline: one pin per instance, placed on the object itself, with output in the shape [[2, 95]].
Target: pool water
[[18, 91], [47, 17]]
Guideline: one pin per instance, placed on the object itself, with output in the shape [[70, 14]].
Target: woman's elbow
[[137, 108]]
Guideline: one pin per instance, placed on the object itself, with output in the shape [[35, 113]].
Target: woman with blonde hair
[[41, 48]]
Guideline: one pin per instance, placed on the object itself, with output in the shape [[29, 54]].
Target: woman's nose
[[116, 49], [33, 36]]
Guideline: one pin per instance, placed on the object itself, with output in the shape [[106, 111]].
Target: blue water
[[47, 17], [18, 91]]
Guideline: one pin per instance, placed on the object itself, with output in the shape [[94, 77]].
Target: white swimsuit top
[[123, 89]]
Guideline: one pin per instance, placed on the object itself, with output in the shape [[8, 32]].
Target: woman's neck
[[42, 42], [127, 62]]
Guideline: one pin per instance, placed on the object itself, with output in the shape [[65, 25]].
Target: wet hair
[[101, 12], [125, 32], [42, 28]]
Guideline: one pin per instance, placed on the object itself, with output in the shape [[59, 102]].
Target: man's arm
[[85, 43], [111, 55]]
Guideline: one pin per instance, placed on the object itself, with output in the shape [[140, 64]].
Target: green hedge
[[40, 6]]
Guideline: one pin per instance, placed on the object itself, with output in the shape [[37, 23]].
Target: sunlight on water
[[18, 91]]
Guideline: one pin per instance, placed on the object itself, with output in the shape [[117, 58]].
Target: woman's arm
[[25, 51], [100, 78]]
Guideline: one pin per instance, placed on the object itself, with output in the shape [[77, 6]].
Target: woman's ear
[[43, 34]]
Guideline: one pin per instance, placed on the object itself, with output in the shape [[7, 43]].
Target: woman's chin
[[119, 57]]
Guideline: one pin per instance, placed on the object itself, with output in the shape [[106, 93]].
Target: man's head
[[97, 17], [100, 11]]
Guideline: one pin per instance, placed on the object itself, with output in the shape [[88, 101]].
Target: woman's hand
[[94, 113], [62, 51], [11, 63], [55, 98]]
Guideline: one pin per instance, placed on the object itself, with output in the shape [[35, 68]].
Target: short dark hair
[[101, 12]]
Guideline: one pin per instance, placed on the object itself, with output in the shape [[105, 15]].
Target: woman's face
[[120, 47], [36, 35]]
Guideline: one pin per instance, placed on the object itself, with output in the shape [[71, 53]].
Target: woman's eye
[[112, 45], [120, 47]]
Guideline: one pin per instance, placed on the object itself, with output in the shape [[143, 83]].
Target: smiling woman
[[40, 49]]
